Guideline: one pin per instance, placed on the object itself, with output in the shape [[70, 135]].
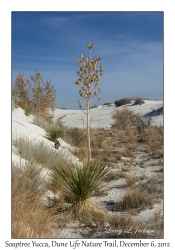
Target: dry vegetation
[[134, 155], [34, 95]]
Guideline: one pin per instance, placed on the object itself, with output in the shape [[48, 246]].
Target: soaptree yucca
[[78, 183], [89, 79]]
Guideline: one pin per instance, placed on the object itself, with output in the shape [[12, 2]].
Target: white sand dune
[[22, 126], [101, 116]]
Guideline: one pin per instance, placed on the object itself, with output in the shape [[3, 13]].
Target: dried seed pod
[[77, 83], [90, 46]]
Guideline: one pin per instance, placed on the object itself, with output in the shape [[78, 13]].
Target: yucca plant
[[89, 76], [78, 183]]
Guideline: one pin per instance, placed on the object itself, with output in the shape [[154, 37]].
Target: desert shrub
[[94, 106], [122, 102], [15, 104], [97, 142], [127, 119], [28, 110], [75, 136], [54, 132], [124, 119], [143, 123], [109, 104], [79, 183], [153, 138], [139, 102], [33, 92]]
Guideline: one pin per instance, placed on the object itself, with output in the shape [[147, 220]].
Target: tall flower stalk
[[89, 80]]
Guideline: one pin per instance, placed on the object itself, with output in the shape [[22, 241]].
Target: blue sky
[[130, 45]]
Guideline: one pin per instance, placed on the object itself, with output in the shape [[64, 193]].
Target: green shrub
[[122, 102], [28, 110], [53, 133]]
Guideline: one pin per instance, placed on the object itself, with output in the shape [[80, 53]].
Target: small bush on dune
[[79, 183], [122, 102], [108, 104], [139, 102]]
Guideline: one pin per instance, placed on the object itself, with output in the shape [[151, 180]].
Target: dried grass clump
[[135, 199], [153, 138], [29, 217], [131, 180]]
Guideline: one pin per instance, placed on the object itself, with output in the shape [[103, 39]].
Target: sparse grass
[[41, 122], [131, 180], [37, 151], [100, 191]]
